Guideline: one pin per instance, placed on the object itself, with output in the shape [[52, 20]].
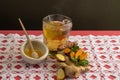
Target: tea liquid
[[55, 34]]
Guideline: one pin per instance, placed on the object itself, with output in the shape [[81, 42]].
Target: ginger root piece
[[70, 69]]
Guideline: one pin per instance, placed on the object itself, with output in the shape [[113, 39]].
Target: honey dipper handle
[[26, 34]]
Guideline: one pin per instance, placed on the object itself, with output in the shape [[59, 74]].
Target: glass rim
[[48, 16]]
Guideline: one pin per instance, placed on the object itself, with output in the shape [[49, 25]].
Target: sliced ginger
[[60, 74], [60, 57]]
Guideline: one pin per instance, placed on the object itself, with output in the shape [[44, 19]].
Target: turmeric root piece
[[60, 74], [83, 56], [66, 50], [72, 54], [78, 53]]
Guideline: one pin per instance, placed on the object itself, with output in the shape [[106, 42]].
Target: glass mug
[[56, 30]]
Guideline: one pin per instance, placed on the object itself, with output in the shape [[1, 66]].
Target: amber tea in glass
[[56, 30]]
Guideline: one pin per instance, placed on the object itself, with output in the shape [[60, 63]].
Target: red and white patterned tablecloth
[[104, 58]]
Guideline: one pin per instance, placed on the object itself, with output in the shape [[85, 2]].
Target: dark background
[[86, 14]]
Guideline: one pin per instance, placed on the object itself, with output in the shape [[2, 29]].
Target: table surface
[[73, 32], [103, 46]]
